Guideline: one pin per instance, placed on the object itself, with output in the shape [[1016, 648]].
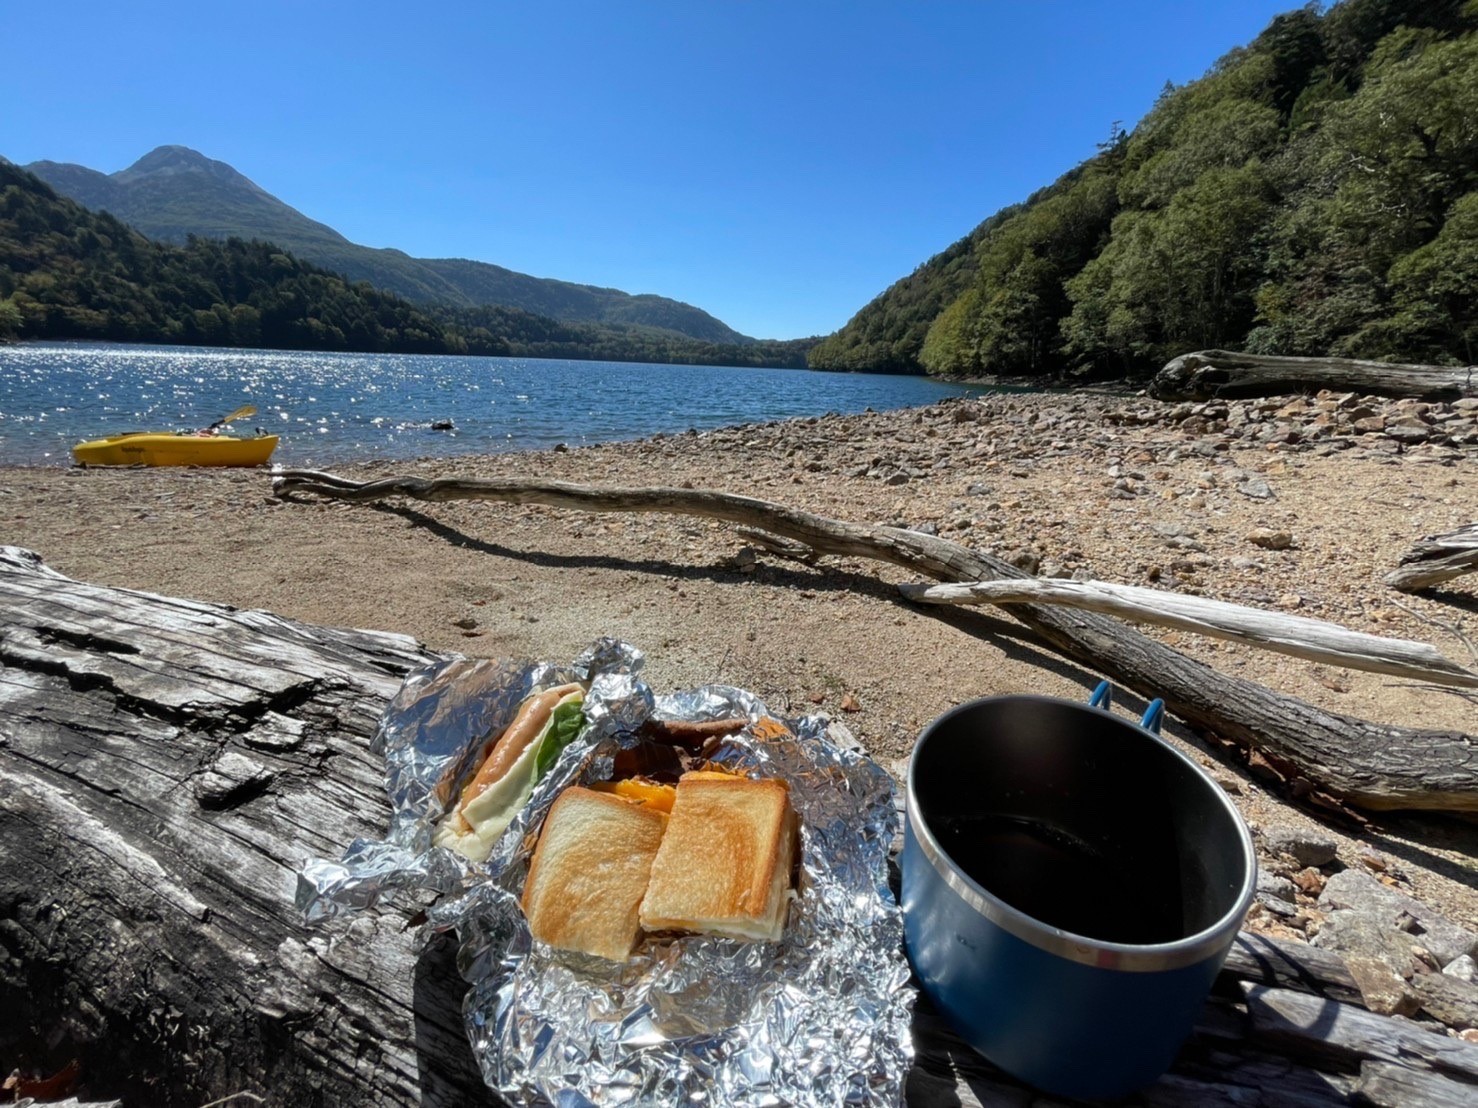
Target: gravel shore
[[1298, 505]]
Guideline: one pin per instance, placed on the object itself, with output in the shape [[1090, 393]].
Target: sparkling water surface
[[331, 408]]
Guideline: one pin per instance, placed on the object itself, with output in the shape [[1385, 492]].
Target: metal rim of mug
[[1132, 958]]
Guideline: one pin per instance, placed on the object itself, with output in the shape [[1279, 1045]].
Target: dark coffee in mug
[[1065, 880]]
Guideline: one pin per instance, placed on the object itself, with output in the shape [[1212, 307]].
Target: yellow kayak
[[151, 448]]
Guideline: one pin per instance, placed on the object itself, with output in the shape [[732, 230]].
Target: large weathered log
[[1383, 1085], [1435, 559], [1296, 966], [164, 765], [1226, 373], [1313, 639], [1362, 763], [1349, 1035]]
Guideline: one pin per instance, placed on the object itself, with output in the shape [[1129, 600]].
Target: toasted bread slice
[[589, 872], [725, 861]]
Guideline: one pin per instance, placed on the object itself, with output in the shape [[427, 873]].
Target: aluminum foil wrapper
[[819, 1018], [432, 728]]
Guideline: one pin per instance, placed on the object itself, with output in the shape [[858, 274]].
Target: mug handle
[[1154, 715], [1154, 712]]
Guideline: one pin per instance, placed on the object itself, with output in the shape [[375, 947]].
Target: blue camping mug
[[1071, 886]]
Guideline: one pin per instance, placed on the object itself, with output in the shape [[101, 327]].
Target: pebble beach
[[1299, 505]]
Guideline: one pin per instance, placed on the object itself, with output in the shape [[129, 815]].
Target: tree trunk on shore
[[1229, 374], [1352, 760], [164, 767], [1435, 559]]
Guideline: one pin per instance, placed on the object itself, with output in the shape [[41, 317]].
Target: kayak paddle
[[243, 412]]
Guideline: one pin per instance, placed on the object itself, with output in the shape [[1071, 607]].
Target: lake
[[332, 408]]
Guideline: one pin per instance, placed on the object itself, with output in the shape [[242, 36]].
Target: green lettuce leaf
[[567, 721]]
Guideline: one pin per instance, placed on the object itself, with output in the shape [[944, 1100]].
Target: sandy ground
[[1140, 503]]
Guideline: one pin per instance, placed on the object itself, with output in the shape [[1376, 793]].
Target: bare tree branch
[[1299, 636], [1361, 763]]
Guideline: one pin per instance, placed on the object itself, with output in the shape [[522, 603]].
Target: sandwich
[[725, 861], [589, 872], [507, 768]]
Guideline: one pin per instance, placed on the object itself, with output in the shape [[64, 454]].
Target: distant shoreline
[[159, 344], [1114, 386], [337, 408]]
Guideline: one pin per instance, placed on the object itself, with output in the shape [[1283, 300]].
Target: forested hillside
[[173, 192], [1315, 193], [69, 273]]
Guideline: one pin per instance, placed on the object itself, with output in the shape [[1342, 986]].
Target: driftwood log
[[164, 767], [1352, 760], [1313, 639], [1229, 374], [1435, 559]]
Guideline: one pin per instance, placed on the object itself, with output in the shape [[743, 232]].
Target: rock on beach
[[1090, 485]]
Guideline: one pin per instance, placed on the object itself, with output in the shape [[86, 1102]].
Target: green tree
[[1371, 183], [1007, 321], [1181, 278], [1434, 292], [1225, 135], [10, 318]]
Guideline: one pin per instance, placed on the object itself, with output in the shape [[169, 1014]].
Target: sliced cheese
[[648, 793], [472, 830], [491, 811]]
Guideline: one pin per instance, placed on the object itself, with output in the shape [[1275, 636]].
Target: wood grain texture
[[1436, 559], [1345, 1034], [1386, 1086], [1296, 966], [1205, 374], [1312, 639], [164, 766]]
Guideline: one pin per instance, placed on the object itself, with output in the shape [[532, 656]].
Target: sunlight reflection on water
[[332, 408]]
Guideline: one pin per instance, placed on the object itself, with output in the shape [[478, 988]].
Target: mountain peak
[[171, 154], [165, 161], [173, 192]]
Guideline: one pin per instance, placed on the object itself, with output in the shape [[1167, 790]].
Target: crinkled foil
[[437, 721], [819, 1018]]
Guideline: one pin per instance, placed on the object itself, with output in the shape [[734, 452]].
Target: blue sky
[[775, 163]]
